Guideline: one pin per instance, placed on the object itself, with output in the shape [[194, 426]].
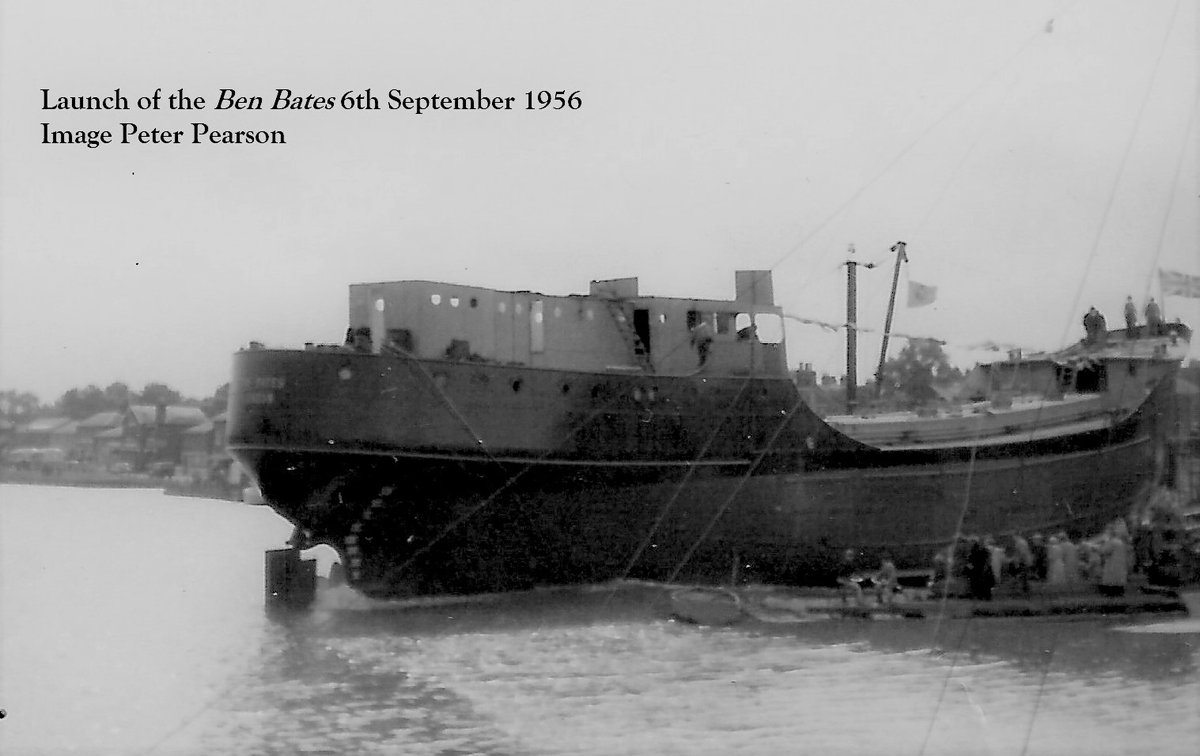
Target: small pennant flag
[[920, 294], [1178, 284]]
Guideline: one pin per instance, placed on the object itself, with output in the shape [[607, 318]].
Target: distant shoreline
[[118, 480], [80, 479]]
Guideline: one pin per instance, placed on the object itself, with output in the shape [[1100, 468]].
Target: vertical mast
[[852, 332], [898, 248]]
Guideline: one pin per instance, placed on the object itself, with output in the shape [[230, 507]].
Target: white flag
[[920, 294], [1178, 284]]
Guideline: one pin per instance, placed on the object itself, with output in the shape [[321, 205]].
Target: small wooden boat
[[706, 606]]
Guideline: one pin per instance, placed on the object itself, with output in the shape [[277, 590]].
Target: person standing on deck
[[848, 577], [702, 338], [1037, 547], [979, 570], [1089, 325], [1115, 572], [1120, 529], [1130, 318], [1070, 556], [1153, 318], [1091, 565], [997, 559], [1056, 569], [1022, 562], [941, 572], [886, 581]]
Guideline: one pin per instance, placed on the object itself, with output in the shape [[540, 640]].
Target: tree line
[[81, 403]]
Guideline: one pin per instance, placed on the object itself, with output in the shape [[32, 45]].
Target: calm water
[[133, 623]]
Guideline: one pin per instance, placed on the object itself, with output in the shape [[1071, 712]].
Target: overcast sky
[[1037, 157]]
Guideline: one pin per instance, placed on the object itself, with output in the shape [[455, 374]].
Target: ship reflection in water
[[133, 623]]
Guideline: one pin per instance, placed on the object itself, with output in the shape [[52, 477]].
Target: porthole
[[501, 306], [454, 301], [435, 298], [474, 302], [558, 312], [379, 305], [566, 389], [517, 308], [516, 385], [440, 380], [345, 373]]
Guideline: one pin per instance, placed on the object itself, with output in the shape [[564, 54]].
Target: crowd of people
[[975, 567], [1155, 546]]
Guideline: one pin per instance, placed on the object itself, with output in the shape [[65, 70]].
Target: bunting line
[[990, 346]]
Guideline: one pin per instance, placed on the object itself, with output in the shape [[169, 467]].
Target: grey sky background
[[1037, 157]]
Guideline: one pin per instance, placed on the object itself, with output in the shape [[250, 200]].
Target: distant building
[[65, 438], [197, 446], [110, 447], [44, 442], [37, 433], [806, 376], [155, 434], [6, 435], [90, 429]]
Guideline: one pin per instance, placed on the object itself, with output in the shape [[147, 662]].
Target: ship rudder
[[291, 582]]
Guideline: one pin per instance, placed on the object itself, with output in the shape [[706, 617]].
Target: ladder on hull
[[636, 347]]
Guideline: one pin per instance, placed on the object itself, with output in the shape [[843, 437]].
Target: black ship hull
[[591, 488]]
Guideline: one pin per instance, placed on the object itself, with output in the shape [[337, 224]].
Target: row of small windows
[[454, 301], [721, 322], [518, 307], [725, 321]]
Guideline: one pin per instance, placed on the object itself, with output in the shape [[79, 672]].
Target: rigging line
[[662, 513], [962, 515], [1112, 195], [661, 516], [1162, 229], [989, 127], [446, 399], [450, 527], [189, 719], [787, 418], [945, 685], [223, 694], [861, 329], [1037, 701], [512, 479], [516, 476], [823, 277], [909, 147]]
